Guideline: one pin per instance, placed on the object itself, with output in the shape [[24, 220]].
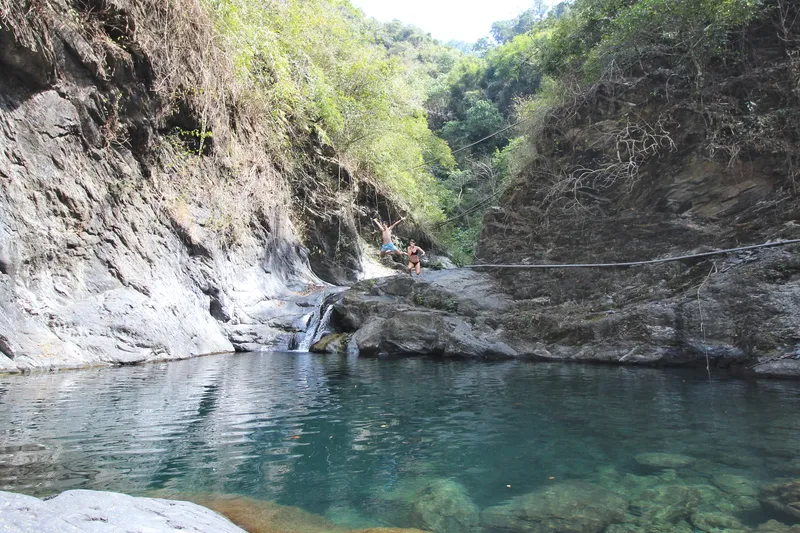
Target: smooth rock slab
[[664, 460], [88, 511]]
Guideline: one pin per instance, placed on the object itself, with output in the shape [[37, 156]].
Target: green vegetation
[[441, 129], [316, 67]]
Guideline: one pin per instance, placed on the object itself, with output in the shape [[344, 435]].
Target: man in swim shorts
[[388, 246]]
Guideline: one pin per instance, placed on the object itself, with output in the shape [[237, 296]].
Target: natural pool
[[407, 442]]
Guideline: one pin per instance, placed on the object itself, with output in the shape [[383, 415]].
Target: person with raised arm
[[388, 246]]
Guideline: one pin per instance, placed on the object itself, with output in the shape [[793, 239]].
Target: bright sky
[[461, 20]]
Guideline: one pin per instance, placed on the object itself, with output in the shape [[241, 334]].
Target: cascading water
[[317, 326]]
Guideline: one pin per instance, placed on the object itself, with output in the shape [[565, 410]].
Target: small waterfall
[[322, 329], [316, 328]]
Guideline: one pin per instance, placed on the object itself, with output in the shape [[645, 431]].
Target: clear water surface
[[325, 432]]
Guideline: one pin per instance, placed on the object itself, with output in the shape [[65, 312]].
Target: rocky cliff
[[141, 216], [647, 164], [657, 163]]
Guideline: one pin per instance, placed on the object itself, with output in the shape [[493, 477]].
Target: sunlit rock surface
[[88, 511]]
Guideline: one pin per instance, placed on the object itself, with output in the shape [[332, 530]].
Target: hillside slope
[[653, 162]]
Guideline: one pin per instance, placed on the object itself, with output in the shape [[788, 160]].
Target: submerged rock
[[664, 460], [667, 503], [783, 496], [444, 506], [77, 511], [569, 507], [735, 484], [718, 523], [773, 526]]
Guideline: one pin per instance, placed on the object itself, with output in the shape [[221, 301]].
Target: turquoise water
[[341, 436]]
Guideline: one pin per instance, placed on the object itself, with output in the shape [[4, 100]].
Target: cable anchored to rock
[[647, 262]]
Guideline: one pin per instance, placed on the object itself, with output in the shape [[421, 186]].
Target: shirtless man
[[414, 255], [388, 246]]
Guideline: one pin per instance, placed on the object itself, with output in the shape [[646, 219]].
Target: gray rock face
[[108, 253], [569, 507], [447, 313], [87, 511]]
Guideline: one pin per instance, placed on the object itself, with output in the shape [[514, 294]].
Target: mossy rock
[[335, 343]]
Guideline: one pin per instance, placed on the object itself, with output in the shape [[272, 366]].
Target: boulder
[[335, 343], [569, 507], [78, 511], [426, 332], [444, 506], [664, 460]]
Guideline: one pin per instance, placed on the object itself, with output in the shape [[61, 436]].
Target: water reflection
[[328, 432]]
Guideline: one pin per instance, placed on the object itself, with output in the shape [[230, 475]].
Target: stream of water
[[327, 433]]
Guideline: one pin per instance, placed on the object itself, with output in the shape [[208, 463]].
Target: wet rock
[[444, 506], [569, 507], [783, 496], [717, 523], [664, 460], [89, 511], [735, 484], [335, 343]]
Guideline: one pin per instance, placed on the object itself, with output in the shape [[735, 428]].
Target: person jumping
[[414, 254], [388, 246]]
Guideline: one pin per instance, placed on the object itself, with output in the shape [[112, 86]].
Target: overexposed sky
[[461, 20]]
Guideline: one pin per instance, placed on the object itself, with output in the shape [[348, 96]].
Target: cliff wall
[[142, 214], [657, 163]]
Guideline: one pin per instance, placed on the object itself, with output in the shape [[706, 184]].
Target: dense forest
[[385, 96]]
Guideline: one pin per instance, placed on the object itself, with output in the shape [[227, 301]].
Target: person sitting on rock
[[414, 254], [388, 246]]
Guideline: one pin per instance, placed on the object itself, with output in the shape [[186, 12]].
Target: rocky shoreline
[[467, 313], [668, 493]]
